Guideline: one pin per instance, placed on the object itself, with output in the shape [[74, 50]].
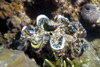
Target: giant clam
[[63, 36]]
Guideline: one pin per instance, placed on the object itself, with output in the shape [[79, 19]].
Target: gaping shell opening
[[51, 26]]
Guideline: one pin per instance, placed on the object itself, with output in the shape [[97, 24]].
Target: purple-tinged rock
[[90, 13]]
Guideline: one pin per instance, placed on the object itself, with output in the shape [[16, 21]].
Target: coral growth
[[6, 9], [91, 16], [14, 24], [90, 13]]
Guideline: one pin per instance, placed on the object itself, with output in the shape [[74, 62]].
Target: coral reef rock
[[14, 24], [93, 53], [6, 9], [14, 58], [90, 13]]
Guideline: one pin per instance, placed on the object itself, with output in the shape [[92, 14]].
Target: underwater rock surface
[[90, 13], [6, 9], [14, 58], [93, 53], [22, 13]]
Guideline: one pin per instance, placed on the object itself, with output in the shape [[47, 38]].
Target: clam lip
[[42, 17], [60, 17], [60, 48], [23, 28], [85, 32], [87, 46]]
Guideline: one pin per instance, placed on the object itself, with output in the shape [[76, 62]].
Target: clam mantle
[[61, 34]]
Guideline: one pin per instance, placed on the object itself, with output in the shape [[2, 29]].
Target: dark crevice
[[40, 7], [3, 26], [73, 2], [9, 1]]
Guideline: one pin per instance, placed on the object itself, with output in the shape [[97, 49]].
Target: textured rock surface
[[93, 53], [6, 9], [14, 58], [90, 13], [14, 24]]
